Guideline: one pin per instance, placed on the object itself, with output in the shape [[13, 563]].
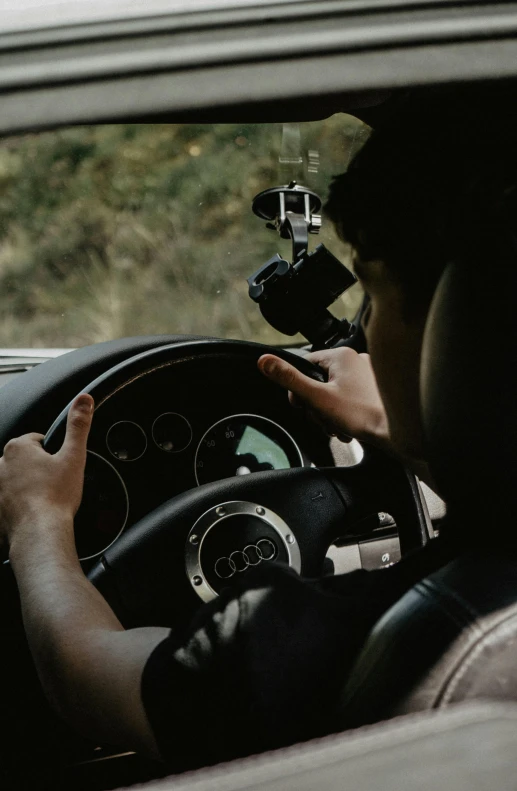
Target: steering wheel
[[203, 541]]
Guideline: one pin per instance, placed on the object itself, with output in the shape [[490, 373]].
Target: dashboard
[[181, 426], [198, 416]]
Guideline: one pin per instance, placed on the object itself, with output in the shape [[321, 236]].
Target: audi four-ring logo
[[240, 560]]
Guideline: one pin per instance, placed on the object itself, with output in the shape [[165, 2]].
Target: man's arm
[[89, 666]]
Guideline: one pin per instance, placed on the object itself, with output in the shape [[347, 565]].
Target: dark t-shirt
[[262, 666]]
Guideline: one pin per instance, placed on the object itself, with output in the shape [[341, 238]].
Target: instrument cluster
[[180, 427], [127, 441]]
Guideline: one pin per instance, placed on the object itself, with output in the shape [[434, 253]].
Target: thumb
[[78, 425], [289, 377]]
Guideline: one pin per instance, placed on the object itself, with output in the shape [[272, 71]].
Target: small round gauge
[[172, 432], [126, 441], [241, 444], [104, 508]]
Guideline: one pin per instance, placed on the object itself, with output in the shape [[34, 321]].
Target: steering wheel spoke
[[201, 542], [154, 565]]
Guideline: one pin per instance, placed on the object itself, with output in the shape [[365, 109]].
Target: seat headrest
[[469, 385]]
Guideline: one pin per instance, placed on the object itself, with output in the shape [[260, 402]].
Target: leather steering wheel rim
[[142, 364]]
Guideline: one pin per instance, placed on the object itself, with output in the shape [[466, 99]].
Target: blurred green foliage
[[118, 230]]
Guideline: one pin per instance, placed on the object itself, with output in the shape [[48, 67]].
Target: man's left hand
[[34, 482]]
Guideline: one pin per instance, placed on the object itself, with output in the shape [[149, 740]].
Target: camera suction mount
[[294, 297], [291, 211]]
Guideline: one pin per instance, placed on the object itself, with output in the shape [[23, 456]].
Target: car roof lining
[[189, 97], [255, 70], [64, 19]]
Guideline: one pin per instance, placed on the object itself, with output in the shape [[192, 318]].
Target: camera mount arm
[[294, 297]]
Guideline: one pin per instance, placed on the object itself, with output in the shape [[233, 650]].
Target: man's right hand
[[348, 405]]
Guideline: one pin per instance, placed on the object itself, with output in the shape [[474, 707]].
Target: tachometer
[[241, 444]]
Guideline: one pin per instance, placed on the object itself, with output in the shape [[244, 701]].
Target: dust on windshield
[[121, 230]]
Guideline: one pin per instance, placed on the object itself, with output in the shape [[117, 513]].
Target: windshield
[[122, 230]]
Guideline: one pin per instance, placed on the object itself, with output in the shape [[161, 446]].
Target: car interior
[[187, 433]]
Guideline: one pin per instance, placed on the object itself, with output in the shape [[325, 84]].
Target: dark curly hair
[[434, 183]]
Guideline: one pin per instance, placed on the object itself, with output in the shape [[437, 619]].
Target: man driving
[[262, 666]]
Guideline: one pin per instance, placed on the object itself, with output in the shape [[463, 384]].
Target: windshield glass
[[122, 230]]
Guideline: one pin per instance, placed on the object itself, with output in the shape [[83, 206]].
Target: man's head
[[433, 184]]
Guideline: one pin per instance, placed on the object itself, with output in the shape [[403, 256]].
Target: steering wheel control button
[[172, 432], [242, 444], [126, 441], [378, 554], [386, 520], [104, 508], [232, 538]]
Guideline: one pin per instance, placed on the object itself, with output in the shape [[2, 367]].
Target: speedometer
[[241, 444]]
